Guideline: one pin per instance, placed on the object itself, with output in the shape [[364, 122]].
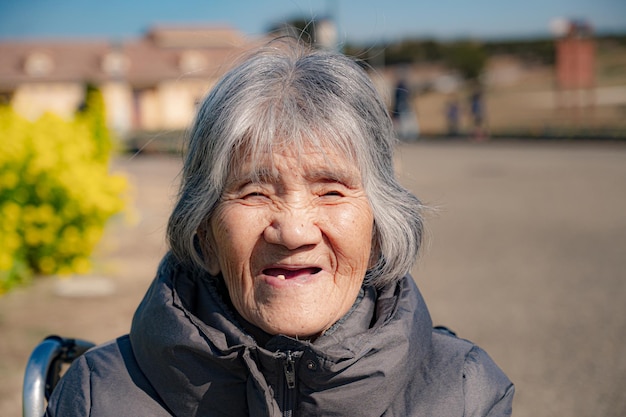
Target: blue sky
[[359, 20]]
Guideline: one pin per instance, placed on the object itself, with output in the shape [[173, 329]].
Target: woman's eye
[[332, 193], [254, 194]]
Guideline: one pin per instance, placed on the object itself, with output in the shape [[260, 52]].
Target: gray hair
[[288, 95]]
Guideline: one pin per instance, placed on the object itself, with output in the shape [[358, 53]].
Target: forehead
[[308, 160]]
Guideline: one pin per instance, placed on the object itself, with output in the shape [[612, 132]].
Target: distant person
[[477, 112], [452, 116], [404, 117], [286, 290]]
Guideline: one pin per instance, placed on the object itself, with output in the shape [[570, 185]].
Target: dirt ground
[[526, 256]]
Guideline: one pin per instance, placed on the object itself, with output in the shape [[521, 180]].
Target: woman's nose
[[293, 228]]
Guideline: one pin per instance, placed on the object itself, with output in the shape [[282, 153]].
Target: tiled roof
[[165, 53], [30, 61], [148, 63], [189, 36]]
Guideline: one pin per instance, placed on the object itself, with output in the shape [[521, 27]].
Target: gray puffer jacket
[[188, 355]]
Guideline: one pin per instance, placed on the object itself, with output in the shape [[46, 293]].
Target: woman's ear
[[208, 248]]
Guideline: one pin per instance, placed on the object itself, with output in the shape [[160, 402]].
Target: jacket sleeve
[[72, 396], [488, 392]]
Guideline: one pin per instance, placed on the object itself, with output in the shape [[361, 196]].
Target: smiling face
[[292, 237]]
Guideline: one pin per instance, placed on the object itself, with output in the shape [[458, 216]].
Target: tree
[[467, 57], [300, 28]]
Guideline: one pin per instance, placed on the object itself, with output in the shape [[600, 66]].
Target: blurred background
[[512, 120], [537, 69]]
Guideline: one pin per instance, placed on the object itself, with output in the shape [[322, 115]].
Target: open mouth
[[284, 273]]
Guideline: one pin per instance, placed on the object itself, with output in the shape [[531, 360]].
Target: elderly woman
[[286, 290]]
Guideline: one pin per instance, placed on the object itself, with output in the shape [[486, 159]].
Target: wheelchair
[[43, 371]]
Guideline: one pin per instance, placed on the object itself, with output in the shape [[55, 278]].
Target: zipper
[[289, 398], [290, 371]]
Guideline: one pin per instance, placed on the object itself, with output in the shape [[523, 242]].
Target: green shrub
[[56, 193]]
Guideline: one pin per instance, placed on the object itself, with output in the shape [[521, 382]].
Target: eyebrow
[[343, 176]]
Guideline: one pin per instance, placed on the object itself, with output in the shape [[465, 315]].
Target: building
[[150, 83], [575, 66]]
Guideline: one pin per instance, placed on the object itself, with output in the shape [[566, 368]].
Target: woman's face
[[292, 237]]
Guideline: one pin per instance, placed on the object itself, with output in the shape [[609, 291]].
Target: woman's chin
[[302, 324], [302, 307]]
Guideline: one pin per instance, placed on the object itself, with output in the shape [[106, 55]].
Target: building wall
[[118, 101], [31, 100], [179, 101], [171, 105]]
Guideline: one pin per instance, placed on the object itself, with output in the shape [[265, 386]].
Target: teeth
[[281, 277]]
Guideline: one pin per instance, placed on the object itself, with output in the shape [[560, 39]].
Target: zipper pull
[[290, 371]]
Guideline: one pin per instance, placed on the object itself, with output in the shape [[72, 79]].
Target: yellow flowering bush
[[56, 192]]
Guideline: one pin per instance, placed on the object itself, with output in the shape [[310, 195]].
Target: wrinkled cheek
[[242, 295], [264, 294], [235, 270], [352, 233], [262, 306], [354, 259]]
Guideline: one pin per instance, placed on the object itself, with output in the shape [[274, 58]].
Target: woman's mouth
[[291, 273]]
